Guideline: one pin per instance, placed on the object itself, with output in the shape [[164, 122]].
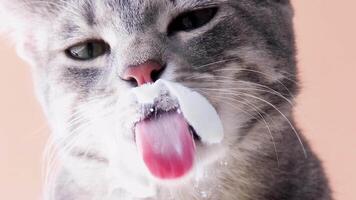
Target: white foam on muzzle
[[196, 109]]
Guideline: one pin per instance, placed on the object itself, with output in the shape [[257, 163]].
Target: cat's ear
[[284, 5], [19, 22], [282, 1], [15, 15]]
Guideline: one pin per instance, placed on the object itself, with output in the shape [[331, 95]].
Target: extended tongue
[[166, 145]]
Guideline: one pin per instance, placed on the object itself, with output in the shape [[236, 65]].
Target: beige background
[[326, 31]]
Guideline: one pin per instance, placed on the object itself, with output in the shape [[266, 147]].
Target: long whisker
[[269, 90], [259, 113], [59, 146], [264, 74], [237, 69], [255, 71], [216, 62], [285, 117]]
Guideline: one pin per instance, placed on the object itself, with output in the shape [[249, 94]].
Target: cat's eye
[[192, 20], [87, 50]]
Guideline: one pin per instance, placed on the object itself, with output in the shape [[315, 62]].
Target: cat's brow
[[89, 12], [198, 3], [70, 31]]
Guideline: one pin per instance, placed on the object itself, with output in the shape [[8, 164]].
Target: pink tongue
[[166, 145]]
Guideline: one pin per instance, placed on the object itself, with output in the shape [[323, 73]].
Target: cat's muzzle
[[173, 119]]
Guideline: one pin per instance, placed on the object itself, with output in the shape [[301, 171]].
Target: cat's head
[[239, 54]]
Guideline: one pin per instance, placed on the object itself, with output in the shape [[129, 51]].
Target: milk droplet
[[204, 194], [224, 163]]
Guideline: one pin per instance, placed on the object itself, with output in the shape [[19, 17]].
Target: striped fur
[[243, 61]]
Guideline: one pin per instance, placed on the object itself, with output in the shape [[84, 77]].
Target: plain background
[[326, 31]]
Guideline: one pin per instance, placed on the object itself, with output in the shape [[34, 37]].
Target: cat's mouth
[[155, 112], [167, 143], [174, 120]]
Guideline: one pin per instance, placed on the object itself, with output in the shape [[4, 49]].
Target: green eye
[[87, 50], [189, 21]]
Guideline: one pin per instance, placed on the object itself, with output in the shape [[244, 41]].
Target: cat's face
[[236, 53]]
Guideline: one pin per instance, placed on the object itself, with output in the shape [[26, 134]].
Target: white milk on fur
[[197, 110]]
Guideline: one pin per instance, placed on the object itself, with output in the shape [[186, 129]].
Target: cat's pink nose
[[147, 72]]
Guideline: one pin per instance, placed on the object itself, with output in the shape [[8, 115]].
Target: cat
[[86, 56]]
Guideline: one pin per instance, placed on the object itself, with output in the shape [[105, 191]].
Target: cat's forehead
[[130, 10], [79, 16], [134, 5]]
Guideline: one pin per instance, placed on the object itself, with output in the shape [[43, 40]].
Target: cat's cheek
[[27, 49], [59, 112], [93, 177]]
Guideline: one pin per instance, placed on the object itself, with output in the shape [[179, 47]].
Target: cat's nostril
[[147, 72], [156, 74], [132, 82]]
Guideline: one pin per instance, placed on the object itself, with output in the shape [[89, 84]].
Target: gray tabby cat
[[239, 54]]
